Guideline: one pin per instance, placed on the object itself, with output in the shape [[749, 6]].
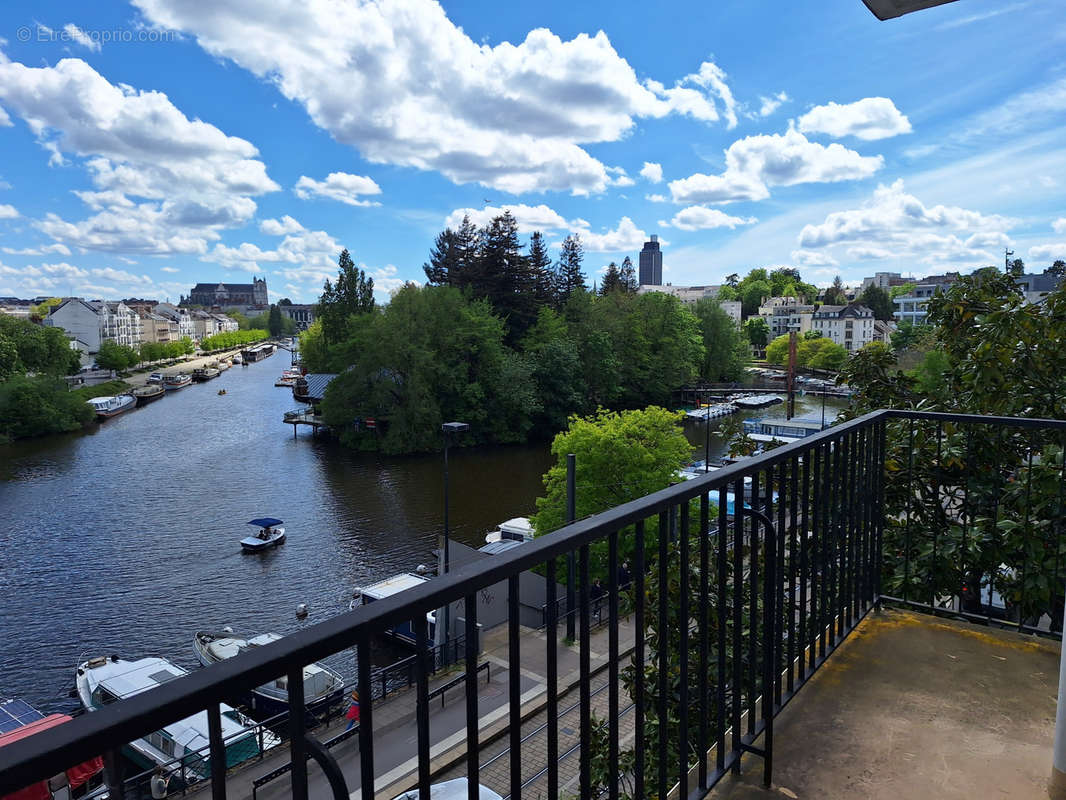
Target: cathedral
[[225, 295]]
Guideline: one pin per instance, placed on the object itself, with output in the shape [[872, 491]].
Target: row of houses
[[88, 323], [852, 326]]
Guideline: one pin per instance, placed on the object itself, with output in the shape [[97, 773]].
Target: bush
[[39, 406]]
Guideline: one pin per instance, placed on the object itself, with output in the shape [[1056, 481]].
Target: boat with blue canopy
[[271, 534]]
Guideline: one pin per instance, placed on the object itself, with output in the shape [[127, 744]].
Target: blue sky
[[149, 146]]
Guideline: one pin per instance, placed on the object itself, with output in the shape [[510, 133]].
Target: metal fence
[[733, 613]]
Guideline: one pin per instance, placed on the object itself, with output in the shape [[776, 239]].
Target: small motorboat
[[221, 391], [518, 529], [178, 381], [323, 687], [147, 394], [237, 358], [223, 366], [271, 534], [106, 407]]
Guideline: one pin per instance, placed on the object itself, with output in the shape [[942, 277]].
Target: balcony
[[876, 617]]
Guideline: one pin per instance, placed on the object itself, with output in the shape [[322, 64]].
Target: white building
[[786, 314], [93, 322], [178, 315], [883, 280], [851, 326], [224, 323], [121, 323]]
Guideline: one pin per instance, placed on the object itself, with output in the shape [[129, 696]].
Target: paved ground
[[911, 706], [141, 378]]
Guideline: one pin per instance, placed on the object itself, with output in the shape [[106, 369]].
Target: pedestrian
[[353, 710], [596, 594], [159, 784], [624, 576]]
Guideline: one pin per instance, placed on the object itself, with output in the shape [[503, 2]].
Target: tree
[[39, 406], [284, 302], [504, 277], [114, 356], [835, 295], [42, 309], [901, 291], [1058, 269], [726, 351], [274, 322], [877, 300], [628, 276], [352, 294], [568, 276], [612, 281], [732, 280], [540, 266], [777, 350], [620, 456], [752, 293], [1016, 267], [39, 348], [909, 336], [242, 320], [757, 330]]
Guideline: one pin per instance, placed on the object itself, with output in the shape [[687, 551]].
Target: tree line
[[506, 340]]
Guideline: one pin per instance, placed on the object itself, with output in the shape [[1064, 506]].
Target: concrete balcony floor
[[913, 706]]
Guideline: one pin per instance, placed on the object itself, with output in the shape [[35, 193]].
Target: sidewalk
[[396, 737], [141, 378]]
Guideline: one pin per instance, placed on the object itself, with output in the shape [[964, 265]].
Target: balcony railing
[[734, 607]]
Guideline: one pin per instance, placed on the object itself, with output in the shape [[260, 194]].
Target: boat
[[224, 365], [106, 407], [758, 400], [176, 381], [258, 352], [403, 631], [155, 377], [518, 529], [285, 380], [712, 411], [237, 359], [270, 535], [782, 430], [323, 687], [204, 374], [147, 394], [85, 781], [181, 747], [221, 391]]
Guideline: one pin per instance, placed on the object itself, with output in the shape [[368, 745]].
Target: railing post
[[1057, 786], [571, 513]]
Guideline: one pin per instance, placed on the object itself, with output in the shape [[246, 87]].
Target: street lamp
[[449, 429]]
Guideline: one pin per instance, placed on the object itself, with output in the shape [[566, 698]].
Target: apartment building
[[851, 326]]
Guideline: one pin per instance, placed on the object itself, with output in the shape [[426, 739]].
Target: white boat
[[171, 382], [403, 631], [758, 400], [112, 406], [181, 747], [518, 529], [271, 534], [237, 359], [712, 411], [323, 687], [224, 365]]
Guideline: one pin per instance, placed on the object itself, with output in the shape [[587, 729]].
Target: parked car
[[155, 377], [450, 790]]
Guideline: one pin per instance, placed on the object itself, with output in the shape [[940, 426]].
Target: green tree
[[1058, 269], [42, 309], [40, 406], [877, 300], [628, 276], [757, 330], [612, 281], [112, 356], [835, 294], [1016, 267], [353, 293], [40, 348], [568, 275], [505, 277], [9, 358], [726, 351], [284, 302], [242, 321], [908, 336], [274, 322], [777, 350], [540, 266]]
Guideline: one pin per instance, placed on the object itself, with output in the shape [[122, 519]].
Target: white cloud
[[64, 270], [279, 227], [137, 144], [656, 198], [1051, 252], [868, 119], [314, 254], [8, 212], [757, 162], [770, 104], [812, 258], [1059, 225], [57, 248], [169, 269], [892, 214], [652, 171], [77, 35], [5, 120], [529, 218], [866, 253], [698, 218], [627, 236], [341, 186], [403, 84], [1019, 112], [120, 276]]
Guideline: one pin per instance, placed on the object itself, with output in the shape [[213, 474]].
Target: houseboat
[[224, 365], [387, 588], [783, 430], [258, 352], [84, 781], [106, 407], [147, 394], [323, 687], [758, 400], [179, 381], [181, 748], [204, 374], [712, 411]]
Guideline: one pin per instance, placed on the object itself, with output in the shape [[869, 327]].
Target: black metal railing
[[732, 608]]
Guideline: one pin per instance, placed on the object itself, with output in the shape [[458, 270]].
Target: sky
[[149, 146]]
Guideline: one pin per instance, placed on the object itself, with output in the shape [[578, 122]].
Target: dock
[[305, 417]]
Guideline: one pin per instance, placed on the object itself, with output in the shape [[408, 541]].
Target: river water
[[124, 539]]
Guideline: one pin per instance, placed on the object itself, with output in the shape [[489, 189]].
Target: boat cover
[[266, 522], [76, 775]]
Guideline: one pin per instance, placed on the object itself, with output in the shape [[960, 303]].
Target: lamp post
[[442, 632]]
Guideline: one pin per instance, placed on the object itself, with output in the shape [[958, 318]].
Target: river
[[124, 539]]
